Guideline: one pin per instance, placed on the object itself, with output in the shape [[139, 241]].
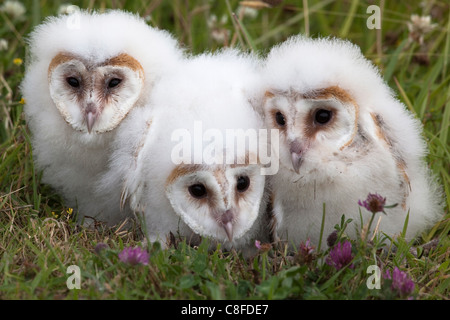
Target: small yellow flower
[[55, 215], [69, 211], [18, 61], [22, 101]]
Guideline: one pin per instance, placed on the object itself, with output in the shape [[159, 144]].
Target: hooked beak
[[297, 151], [227, 222], [296, 161], [90, 121], [91, 116]]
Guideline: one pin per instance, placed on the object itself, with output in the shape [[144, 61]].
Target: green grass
[[39, 240]]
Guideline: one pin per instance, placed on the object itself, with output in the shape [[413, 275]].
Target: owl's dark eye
[[323, 116], [243, 183], [198, 191], [114, 83], [73, 82], [279, 117]]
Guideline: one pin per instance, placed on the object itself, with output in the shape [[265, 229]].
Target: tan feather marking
[[125, 60], [122, 60], [268, 94], [185, 169], [273, 112], [401, 165], [182, 170], [272, 219], [379, 132], [311, 128], [341, 95], [330, 92], [400, 162], [221, 179], [60, 58], [123, 197], [142, 142], [349, 142]]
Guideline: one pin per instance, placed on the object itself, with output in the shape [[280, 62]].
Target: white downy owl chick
[[86, 72], [343, 135], [177, 162]]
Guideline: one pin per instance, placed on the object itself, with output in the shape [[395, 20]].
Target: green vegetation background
[[38, 239]]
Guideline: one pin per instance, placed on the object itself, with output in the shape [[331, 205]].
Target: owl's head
[[221, 202], [332, 107], [208, 175], [95, 67], [313, 125], [95, 96]]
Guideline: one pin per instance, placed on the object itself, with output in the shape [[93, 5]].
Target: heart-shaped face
[[220, 202], [95, 98]]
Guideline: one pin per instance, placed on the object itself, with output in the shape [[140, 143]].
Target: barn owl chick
[[181, 161], [86, 73], [343, 135]]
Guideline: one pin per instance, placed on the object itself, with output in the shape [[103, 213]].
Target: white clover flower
[[248, 12], [63, 9], [148, 18], [419, 26], [220, 35], [3, 45], [224, 19], [212, 21], [67, 8], [218, 31], [15, 9]]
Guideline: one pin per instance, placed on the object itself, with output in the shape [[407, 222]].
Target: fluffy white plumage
[[210, 93], [82, 79], [343, 135]]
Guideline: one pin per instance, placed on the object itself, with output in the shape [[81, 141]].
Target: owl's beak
[[296, 161], [90, 121], [297, 151], [227, 222], [229, 230], [91, 116]]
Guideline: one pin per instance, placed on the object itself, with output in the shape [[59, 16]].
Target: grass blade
[[322, 226], [349, 20]]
